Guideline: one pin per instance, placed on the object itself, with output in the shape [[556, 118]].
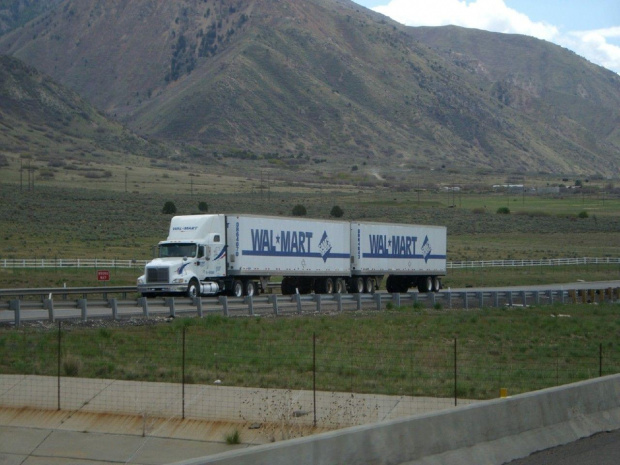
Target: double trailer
[[238, 254]]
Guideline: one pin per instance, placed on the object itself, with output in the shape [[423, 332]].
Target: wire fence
[[120, 263], [216, 374]]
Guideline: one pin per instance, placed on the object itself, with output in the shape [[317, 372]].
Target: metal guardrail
[[52, 310], [113, 263]]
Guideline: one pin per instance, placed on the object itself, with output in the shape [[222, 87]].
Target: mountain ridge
[[329, 80]]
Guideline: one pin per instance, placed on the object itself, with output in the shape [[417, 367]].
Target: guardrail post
[[396, 299], [495, 299], [250, 301], [298, 300], [114, 304], [143, 302], [317, 299], [449, 294], [510, 298], [523, 298], [170, 303], [377, 298], [49, 305], [465, 300], [274, 301], [197, 301], [84, 307], [414, 298], [339, 302], [224, 301], [562, 297], [15, 305], [433, 299], [481, 299], [358, 299], [536, 298]]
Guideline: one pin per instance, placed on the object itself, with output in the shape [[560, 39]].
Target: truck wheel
[[287, 286], [358, 285], [436, 284], [339, 286], [237, 289], [370, 285], [425, 284], [250, 288], [193, 290]]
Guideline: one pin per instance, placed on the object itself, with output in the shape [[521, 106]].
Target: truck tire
[[324, 286], [250, 288], [339, 286], [369, 286], [288, 286], [237, 288], [391, 285], [436, 284], [425, 284], [357, 286], [193, 289]]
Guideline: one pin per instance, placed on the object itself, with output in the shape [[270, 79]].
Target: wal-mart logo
[[283, 243]]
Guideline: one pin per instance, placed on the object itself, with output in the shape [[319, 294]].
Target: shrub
[[583, 214], [71, 365], [233, 438], [299, 210], [503, 211], [336, 212], [169, 208], [203, 206]]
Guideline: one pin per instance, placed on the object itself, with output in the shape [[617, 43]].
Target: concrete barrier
[[492, 432]]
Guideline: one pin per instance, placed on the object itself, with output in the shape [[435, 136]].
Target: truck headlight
[[141, 280], [178, 281]]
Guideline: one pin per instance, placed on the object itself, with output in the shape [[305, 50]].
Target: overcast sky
[[590, 28]]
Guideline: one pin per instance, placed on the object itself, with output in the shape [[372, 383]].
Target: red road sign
[[103, 275]]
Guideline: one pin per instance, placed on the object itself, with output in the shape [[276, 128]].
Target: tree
[[336, 212], [299, 210], [169, 208], [203, 206]]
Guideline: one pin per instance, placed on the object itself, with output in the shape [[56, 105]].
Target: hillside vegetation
[[326, 85]]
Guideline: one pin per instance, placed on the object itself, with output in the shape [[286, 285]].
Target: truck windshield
[[177, 250]]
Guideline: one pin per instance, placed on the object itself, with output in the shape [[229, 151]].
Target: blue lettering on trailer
[[270, 243], [380, 246]]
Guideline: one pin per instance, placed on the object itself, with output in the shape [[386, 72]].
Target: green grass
[[404, 351]]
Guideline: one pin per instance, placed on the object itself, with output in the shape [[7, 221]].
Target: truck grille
[[157, 275]]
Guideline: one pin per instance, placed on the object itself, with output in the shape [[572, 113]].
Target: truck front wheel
[[193, 290]]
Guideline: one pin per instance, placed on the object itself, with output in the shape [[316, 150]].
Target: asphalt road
[[600, 449]]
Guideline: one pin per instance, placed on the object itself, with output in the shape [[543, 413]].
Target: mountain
[[16, 13], [41, 118], [329, 82]]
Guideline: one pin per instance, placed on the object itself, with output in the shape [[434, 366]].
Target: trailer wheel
[[370, 285], [328, 286], [436, 284], [193, 289], [250, 288], [391, 286], [425, 284], [287, 286], [358, 285], [339, 286], [237, 289]]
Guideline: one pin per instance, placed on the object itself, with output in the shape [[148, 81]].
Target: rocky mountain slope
[[328, 82]]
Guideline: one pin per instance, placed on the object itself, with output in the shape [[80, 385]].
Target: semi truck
[[237, 254]]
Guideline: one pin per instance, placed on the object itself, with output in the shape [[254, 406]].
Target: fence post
[[170, 304], [198, 303], [223, 300], [114, 304], [317, 298], [273, 298], [377, 298], [298, 300], [250, 301], [84, 307], [15, 305], [58, 357], [339, 302], [49, 305], [142, 301], [455, 375]]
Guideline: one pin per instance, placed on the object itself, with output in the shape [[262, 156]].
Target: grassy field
[[400, 352]]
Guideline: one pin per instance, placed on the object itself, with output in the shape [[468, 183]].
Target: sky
[[590, 28]]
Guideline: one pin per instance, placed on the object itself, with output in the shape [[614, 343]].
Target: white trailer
[[238, 254], [410, 256]]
